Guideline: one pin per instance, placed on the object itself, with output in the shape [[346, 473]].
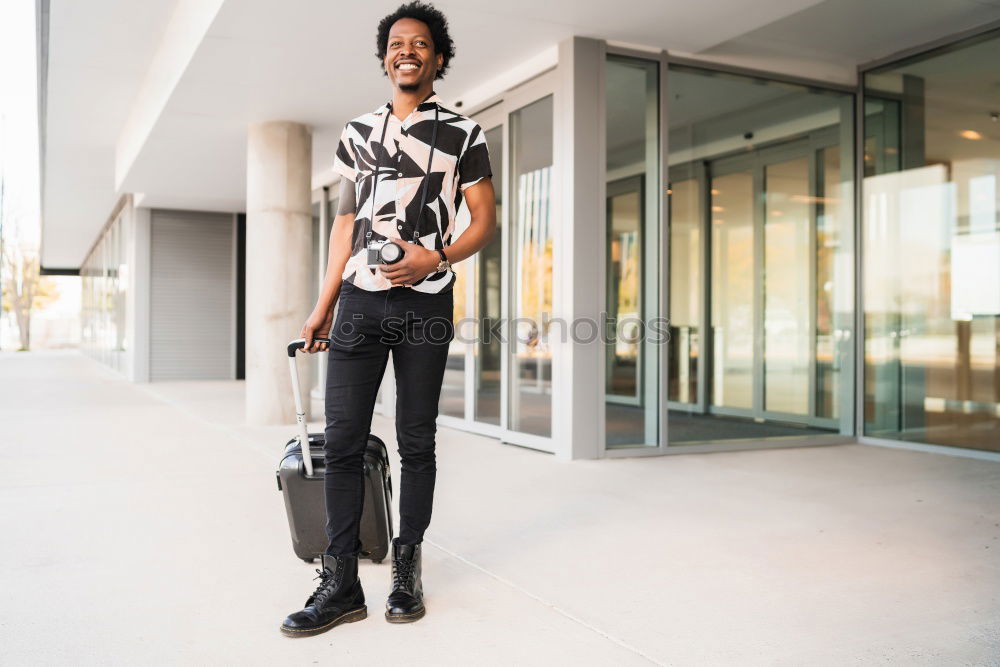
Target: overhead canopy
[[154, 97]]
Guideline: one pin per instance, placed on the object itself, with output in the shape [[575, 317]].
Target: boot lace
[[327, 584], [403, 573]]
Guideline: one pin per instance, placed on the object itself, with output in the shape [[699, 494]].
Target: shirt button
[[399, 226], [400, 174]]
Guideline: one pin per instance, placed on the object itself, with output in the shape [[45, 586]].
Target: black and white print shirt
[[460, 159]]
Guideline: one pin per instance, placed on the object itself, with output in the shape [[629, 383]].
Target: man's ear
[[440, 61]]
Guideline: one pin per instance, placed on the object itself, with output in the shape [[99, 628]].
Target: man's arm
[[482, 204], [340, 243], [339, 253], [419, 262]]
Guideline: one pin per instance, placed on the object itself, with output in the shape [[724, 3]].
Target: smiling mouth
[[407, 67]]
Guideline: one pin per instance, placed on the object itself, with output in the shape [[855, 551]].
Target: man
[[412, 205]]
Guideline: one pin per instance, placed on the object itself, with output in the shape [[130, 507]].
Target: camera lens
[[391, 253]]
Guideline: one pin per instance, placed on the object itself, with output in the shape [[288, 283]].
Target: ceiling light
[[970, 134]]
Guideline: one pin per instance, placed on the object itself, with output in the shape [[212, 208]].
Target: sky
[[19, 119]]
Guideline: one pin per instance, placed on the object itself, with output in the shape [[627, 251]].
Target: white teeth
[[408, 66]]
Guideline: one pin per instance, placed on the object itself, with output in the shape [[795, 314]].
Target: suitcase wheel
[[377, 562], [309, 560]]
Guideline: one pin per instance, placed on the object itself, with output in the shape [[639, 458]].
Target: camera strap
[[427, 174]]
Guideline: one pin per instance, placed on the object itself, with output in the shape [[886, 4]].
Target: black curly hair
[[435, 21]]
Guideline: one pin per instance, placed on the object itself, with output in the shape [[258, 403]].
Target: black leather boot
[[405, 603], [338, 599]]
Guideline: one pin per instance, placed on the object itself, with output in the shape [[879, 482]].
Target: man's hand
[[317, 326], [418, 262]]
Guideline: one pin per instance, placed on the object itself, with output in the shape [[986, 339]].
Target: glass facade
[[530, 402], [745, 230], [758, 268], [761, 258], [498, 379], [931, 247], [632, 289], [105, 282]]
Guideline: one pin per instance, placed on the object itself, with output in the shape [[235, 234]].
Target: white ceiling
[[830, 38], [94, 69], [298, 63], [312, 61]]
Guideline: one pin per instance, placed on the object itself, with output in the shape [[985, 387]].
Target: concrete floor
[[142, 525]]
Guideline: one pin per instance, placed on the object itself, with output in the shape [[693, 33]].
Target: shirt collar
[[426, 105]]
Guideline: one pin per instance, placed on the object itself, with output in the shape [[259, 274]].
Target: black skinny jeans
[[417, 328]]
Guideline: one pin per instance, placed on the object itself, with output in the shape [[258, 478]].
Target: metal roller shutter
[[192, 297]]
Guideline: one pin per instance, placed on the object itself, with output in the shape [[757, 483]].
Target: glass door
[[686, 201], [471, 392], [530, 353], [772, 353], [488, 295], [733, 311]]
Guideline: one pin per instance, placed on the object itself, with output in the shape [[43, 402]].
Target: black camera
[[384, 252]]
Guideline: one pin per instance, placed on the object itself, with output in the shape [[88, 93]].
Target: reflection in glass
[[531, 269], [733, 309], [932, 248], [121, 284], [764, 171], [489, 263], [624, 306], [686, 213], [786, 294], [104, 283], [829, 211]]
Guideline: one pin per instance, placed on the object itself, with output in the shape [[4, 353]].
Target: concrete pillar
[[279, 239], [578, 290], [137, 311]]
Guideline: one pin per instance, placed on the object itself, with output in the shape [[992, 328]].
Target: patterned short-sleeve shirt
[[460, 159]]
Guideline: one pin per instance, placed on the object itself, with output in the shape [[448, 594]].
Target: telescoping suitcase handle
[[300, 413]]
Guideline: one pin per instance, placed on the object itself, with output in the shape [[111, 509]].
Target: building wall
[[192, 296], [930, 213], [723, 201], [156, 287]]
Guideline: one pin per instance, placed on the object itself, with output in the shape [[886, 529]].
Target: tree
[[23, 288]]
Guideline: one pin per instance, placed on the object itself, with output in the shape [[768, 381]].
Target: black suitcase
[[301, 483]]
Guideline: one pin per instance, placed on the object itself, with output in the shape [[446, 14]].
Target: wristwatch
[[444, 264]]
